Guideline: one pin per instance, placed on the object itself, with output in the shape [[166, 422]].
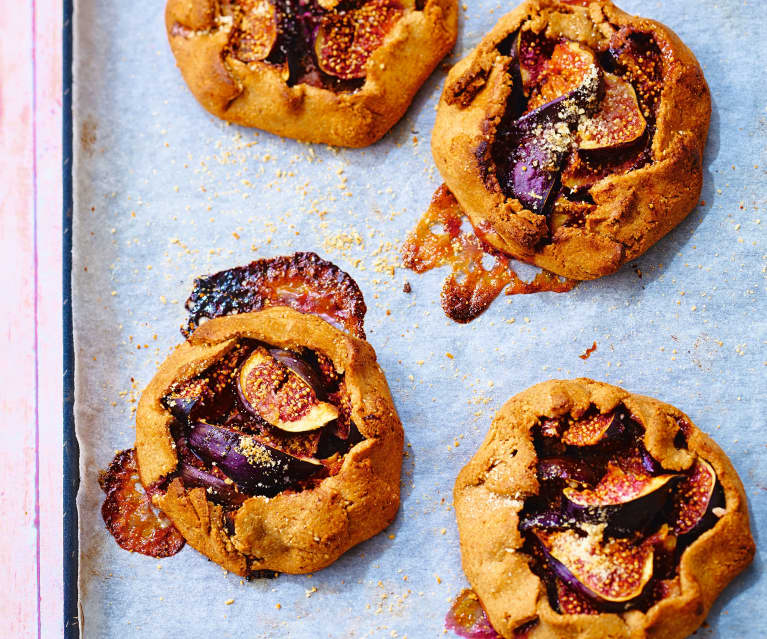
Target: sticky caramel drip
[[470, 288], [467, 618], [128, 512]]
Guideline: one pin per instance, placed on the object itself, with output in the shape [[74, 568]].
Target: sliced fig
[[594, 429], [257, 32], [536, 145], [637, 58], [565, 469], [618, 488], [627, 501], [346, 39], [300, 367], [281, 396], [255, 467], [568, 68], [533, 51], [612, 573], [617, 123], [696, 498]]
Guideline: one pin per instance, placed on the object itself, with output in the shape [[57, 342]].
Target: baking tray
[[159, 183]]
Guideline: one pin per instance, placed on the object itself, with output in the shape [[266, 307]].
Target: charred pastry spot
[[302, 281], [608, 527], [260, 421]]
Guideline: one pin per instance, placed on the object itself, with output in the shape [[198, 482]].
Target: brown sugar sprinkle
[[278, 393], [614, 563], [255, 452], [470, 288]]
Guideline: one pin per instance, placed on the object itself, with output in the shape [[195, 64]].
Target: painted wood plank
[[30, 334], [48, 155], [18, 455]]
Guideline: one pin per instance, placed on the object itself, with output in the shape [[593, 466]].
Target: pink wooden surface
[[31, 604]]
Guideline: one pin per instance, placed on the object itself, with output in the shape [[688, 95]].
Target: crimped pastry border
[[295, 532], [634, 210], [490, 491], [256, 95]]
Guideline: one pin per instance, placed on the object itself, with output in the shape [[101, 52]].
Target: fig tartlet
[[592, 512], [342, 73], [271, 441], [573, 135]]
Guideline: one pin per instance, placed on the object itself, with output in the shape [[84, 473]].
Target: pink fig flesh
[[568, 68], [346, 39], [618, 487], [695, 499], [280, 395], [592, 430], [257, 32], [612, 573], [617, 123]]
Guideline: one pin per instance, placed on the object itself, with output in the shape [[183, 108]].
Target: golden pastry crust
[[631, 211], [490, 491], [256, 94], [293, 532]]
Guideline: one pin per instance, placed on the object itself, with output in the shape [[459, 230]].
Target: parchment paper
[[165, 192]]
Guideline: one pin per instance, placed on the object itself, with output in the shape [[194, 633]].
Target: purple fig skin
[[181, 408], [535, 161], [217, 488], [275, 472], [300, 368], [689, 531], [633, 515], [566, 469], [545, 520]]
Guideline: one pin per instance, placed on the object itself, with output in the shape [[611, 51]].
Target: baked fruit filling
[[260, 421], [323, 43], [607, 530], [574, 115]]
